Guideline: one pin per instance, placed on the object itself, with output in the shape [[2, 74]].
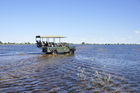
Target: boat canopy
[[50, 37]]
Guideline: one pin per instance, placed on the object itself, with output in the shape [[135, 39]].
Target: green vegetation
[[13, 43], [101, 81], [0, 42], [83, 43]]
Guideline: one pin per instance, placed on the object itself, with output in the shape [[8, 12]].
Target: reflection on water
[[93, 68]]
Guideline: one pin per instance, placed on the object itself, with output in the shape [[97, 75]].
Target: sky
[[90, 21]]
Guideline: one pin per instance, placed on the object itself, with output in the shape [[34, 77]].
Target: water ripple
[[85, 72]]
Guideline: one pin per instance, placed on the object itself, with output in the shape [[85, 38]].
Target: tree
[[83, 43], [0, 42]]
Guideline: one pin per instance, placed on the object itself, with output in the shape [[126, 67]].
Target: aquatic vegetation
[[82, 74], [100, 81], [54, 90]]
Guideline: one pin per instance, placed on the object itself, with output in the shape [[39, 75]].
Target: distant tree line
[[12, 43], [84, 43]]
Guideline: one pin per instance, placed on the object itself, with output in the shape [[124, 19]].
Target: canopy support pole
[[54, 40], [59, 40]]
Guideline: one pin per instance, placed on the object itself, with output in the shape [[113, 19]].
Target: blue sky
[[92, 21]]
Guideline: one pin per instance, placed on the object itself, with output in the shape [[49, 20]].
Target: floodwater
[[92, 69]]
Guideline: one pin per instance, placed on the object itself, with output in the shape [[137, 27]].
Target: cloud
[[137, 32]]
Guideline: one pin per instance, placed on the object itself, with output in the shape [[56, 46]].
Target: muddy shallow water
[[93, 68]]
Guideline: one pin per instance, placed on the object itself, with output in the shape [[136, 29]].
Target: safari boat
[[54, 47]]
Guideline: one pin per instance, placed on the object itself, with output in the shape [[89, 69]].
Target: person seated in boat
[[39, 44], [53, 45], [43, 43], [36, 41], [46, 44], [50, 44], [60, 45]]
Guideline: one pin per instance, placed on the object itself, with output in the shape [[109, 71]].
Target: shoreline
[[17, 44], [70, 44]]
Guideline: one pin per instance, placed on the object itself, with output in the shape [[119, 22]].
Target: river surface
[[92, 69]]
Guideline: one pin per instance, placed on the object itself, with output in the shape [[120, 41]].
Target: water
[[93, 68]]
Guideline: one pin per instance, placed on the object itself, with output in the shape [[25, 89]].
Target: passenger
[[46, 44], [60, 45], [36, 42], [39, 44], [53, 45], [50, 45], [43, 43]]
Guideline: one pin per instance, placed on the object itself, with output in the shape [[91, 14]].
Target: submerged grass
[[100, 81]]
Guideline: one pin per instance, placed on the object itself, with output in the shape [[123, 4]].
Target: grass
[[99, 81]]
